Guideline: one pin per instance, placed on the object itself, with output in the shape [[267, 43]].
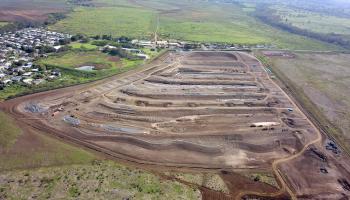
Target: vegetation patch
[[263, 177], [313, 21], [212, 181], [34, 150], [102, 179], [83, 46], [8, 132], [3, 24]]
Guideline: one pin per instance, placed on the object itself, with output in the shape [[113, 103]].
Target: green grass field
[[83, 46], [315, 22], [116, 21], [3, 24], [199, 21], [75, 59]]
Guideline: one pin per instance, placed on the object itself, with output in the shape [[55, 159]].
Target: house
[[162, 43], [109, 47], [28, 81], [57, 47], [174, 44], [145, 43], [142, 56], [38, 81], [134, 41], [132, 50], [27, 74], [16, 79], [28, 65], [51, 77], [56, 72], [6, 81]]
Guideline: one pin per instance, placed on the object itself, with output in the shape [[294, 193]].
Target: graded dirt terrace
[[216, 111]]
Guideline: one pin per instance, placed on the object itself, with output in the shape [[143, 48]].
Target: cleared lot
[[202, 111]]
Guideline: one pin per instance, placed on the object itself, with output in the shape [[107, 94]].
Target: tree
[[114, 52], [100, 43], [77, 37], [106, 37], [47, 49], [64, 41], [97, 37], [124, 39], [85, 40]]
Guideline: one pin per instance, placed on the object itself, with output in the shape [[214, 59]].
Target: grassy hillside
[[184, 20], [313, 21], [322, 82], [22, 149], [8, 132]]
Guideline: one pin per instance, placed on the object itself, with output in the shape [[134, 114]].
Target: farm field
[[324, 78], [181, 20], [198, 111], [312, 21]]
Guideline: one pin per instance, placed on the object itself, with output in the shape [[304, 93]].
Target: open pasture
[[199, 22]]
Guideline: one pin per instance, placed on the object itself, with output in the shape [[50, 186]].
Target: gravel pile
[[71, 120], [34, 108]]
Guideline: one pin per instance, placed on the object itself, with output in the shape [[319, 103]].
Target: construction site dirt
[[197, 111]]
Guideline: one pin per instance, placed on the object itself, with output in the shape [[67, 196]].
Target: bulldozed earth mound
[[212, 111]]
